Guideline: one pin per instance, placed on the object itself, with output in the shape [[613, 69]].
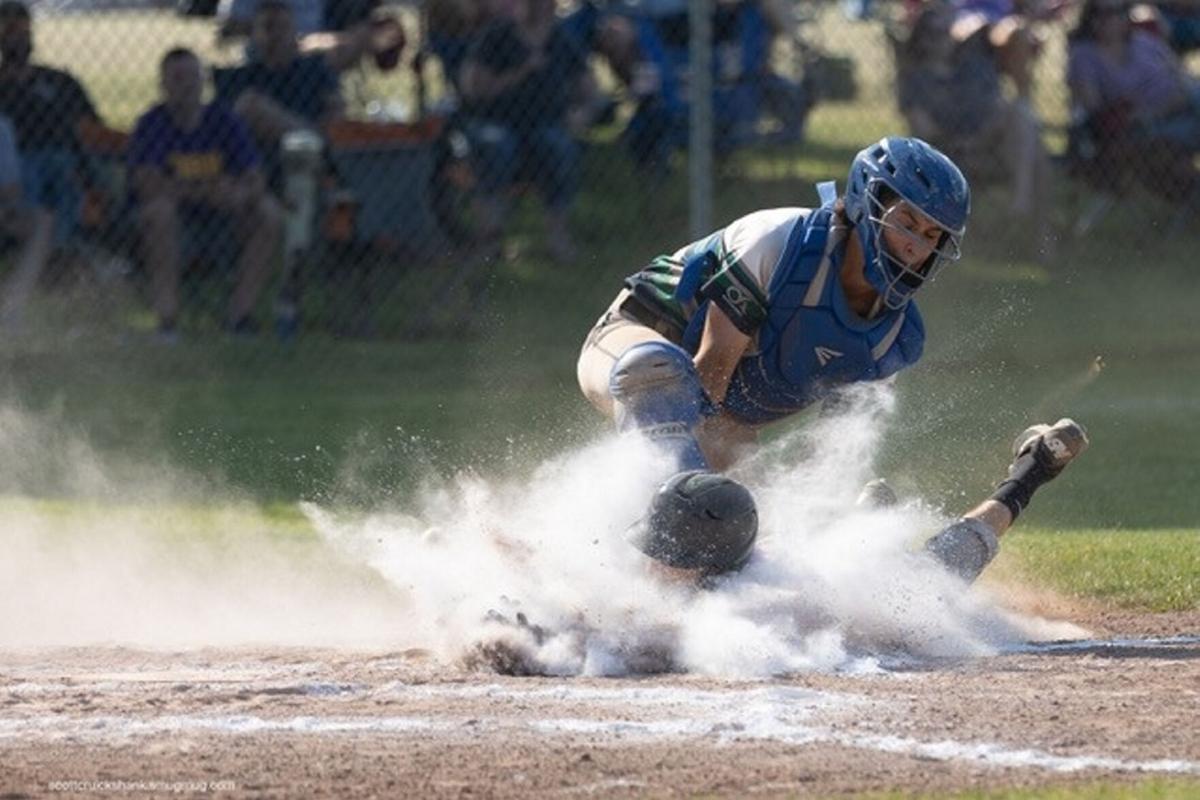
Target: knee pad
[[656, 383], [658, 393], [965, 548], [701, 521]]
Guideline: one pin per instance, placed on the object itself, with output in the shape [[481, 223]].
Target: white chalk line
[[110, 726], [109, 687], [1149, 646], [789, 715]]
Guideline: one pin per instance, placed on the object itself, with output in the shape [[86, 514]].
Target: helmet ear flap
[[854, 214], [856, 211]]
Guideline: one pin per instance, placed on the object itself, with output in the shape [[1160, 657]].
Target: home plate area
[[336, 723]]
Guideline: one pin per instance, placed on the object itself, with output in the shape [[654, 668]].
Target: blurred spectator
[[630, 42], [343, 31], [237, 17], [199, 192], [950, 93], [746, 31], [647, 48], [343, 15], [1009, 30], [281, 90], [453, 25], [1182, 22], [379, 35], [31, 227], [46, 107], [1131, 78], [525, 82], [1136, 111]]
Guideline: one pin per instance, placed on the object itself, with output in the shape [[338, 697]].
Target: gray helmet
[[699, 520]]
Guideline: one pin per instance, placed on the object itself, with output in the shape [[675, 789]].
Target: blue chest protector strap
[[811, 340], [827, 192]]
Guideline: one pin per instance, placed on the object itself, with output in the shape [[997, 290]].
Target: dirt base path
[[284, 723]]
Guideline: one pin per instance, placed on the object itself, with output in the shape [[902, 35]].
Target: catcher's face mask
[[911, 246]]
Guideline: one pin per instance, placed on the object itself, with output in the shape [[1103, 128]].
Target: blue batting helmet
[[931, 183]]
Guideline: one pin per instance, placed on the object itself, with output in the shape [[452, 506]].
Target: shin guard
[[658, 393], [965, 548]]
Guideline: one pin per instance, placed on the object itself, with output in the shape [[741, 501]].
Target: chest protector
[[812, 342]]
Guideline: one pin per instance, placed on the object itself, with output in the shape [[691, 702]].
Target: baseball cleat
[[1054, 446]]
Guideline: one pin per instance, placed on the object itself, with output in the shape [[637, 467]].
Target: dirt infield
[[285, 722]]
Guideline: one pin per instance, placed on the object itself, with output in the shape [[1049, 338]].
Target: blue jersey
[[807, 340]]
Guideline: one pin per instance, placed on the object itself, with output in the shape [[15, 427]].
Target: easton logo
[[825, 355]]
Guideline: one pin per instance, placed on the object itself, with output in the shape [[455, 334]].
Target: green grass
[[1155, 570], [171, 519]]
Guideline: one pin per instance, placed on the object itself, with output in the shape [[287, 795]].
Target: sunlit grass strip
[[194, 522], [1151, 570], [1148, 570]]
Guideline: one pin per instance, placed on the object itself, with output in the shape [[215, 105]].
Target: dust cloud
[[531, 574], [98, 550], [524, 573]]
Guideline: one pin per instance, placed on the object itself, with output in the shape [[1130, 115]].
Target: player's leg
[[721, 437], [613, 334], [657, 392], [1040, 454], [643, 382]]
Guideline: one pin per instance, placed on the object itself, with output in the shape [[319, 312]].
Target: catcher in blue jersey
[[773, 312]]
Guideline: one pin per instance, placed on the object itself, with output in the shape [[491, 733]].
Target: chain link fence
[[308, 170]]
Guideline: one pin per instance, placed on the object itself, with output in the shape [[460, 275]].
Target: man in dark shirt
[[343, 31], [523, 80], [537, 73], [195, 173], [46, 107], [281, 90]]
